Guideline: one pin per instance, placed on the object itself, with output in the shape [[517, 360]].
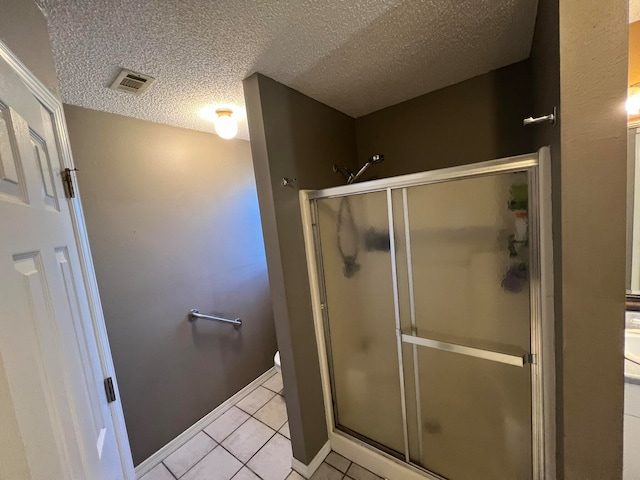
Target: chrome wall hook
[[288, 182], [551, 118]]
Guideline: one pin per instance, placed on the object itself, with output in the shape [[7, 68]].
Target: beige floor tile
[[273, 461], [295, 476], [159, 472], [189, 454], [248, 439], [327, 472], [285, 431], [217, 465], [338, 461], [358, 473], [256, 399], [224, 425], [274, 383], [274, 413], [246, 474]]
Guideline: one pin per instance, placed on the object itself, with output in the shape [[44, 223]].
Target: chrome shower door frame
[[542, 360]]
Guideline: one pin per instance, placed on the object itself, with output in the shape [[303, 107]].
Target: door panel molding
[[62, 148]]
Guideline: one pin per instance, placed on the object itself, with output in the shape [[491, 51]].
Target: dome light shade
[[225, 125]]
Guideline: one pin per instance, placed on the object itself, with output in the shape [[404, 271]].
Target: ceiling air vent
[[132, 82]]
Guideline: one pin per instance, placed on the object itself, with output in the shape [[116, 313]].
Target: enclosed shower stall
[[434, 316]]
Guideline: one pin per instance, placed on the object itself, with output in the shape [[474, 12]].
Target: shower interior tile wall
[[249, 441]]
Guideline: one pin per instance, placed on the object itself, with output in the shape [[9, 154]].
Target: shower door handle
[[509, 359]]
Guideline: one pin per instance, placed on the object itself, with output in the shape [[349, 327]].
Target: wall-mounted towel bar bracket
[[194, 314]]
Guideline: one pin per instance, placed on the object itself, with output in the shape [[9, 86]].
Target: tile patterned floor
[[250, 441]]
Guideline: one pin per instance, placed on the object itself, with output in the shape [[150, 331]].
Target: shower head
[[377, 158]]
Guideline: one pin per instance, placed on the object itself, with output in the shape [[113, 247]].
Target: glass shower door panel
[[470, 258], [469, 253], [359, 316], [476, 417]]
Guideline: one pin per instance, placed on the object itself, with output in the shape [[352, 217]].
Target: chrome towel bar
[[194, 314]]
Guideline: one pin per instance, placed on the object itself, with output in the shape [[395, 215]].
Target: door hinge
[[67, 180], [109, 390]]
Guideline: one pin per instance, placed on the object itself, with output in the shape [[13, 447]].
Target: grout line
[[271, 390], [192, 466], [232, 432], [219, 444], [249, 468], [276, 429], [270, 398], [156, 458], [169, 470], [210, 438], [245, 463]]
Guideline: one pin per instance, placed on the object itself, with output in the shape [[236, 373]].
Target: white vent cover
[[132, 82]]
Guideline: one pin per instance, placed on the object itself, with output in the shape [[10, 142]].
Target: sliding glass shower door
[[430, 289], [360, 317], [467, 335]]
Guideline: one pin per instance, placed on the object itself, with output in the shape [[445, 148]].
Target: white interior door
[[55, 422]]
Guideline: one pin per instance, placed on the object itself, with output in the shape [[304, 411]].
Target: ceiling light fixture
[[633, 99], [226, 126]]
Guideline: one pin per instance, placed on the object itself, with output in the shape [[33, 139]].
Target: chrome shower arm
[[351, 177], [346, 173], [360, 172]]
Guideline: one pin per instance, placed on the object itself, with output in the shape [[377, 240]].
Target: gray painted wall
[[173, 224], [473, 121], [23, 28], [593, 136], [296, 137]]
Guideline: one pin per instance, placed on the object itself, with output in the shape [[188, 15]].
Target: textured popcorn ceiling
[[355, 55]]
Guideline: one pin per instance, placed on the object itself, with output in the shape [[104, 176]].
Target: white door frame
[[54, 105]]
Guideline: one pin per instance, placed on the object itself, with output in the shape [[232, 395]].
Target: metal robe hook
[[288, 182], [551, 118]]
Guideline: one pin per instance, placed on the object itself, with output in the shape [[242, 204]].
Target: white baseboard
[[307, 470], [190, 432]]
